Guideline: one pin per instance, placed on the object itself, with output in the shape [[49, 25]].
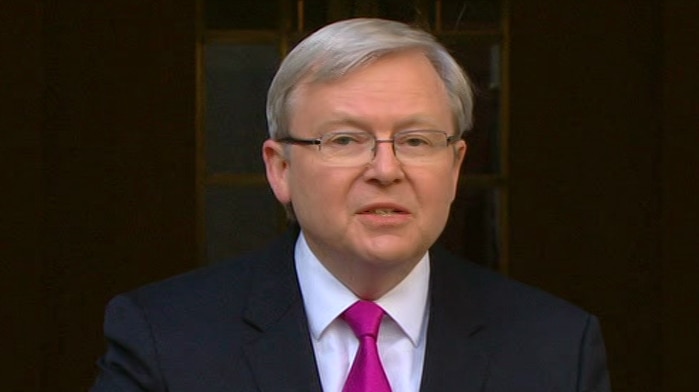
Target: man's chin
[[392, 252]]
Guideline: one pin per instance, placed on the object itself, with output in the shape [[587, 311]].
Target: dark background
[[97, 117]]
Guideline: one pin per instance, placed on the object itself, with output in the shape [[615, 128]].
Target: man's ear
[[277, 169], [460, 148]]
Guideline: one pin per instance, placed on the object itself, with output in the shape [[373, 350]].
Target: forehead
[[395, 86], [400, 63]]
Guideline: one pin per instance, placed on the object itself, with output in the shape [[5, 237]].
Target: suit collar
[[278, 348], [456, 357]]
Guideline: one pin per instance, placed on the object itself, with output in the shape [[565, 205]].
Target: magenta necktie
[[366, 374]]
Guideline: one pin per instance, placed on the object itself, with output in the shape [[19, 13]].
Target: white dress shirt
[[402, 334]]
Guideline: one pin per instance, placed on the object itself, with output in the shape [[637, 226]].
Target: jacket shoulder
[[501, 298]]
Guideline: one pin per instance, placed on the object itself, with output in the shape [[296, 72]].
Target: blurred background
[[131, 136]]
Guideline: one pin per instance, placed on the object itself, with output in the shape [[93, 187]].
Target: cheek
[[318, 190], [436, 190]]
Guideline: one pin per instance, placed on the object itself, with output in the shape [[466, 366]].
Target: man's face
[[383, 215]]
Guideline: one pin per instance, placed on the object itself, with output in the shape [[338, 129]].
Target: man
[[365, 118]]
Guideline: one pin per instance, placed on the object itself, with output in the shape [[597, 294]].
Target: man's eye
[[416, 141], [346, 139]]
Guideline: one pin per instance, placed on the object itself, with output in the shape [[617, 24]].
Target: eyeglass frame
[[450, 139]]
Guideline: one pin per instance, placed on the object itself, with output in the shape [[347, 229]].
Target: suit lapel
[[278, 349], [456, 357]]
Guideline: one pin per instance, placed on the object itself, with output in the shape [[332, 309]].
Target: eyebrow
[[344, 121], [414, 122], [419, 122]]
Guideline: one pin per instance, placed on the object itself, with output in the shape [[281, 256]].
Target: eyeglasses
[[358, 148]]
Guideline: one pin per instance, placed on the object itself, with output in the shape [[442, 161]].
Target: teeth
[[383, 211]]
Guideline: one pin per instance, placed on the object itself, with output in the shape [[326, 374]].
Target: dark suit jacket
[[241, 326]]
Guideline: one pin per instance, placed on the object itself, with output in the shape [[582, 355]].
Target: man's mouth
[[384, 211]]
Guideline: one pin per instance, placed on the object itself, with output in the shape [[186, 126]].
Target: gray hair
[[341, 47]]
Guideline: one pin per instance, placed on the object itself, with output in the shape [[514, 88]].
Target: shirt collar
[[325, 297]]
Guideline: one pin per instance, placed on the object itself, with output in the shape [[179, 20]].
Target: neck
[[370, 280]]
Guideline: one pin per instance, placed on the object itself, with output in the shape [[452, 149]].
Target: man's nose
[[385, 167]]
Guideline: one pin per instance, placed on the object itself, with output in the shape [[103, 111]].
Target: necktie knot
[[364, 317]]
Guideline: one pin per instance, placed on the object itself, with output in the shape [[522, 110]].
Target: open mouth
[[384, 211]]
